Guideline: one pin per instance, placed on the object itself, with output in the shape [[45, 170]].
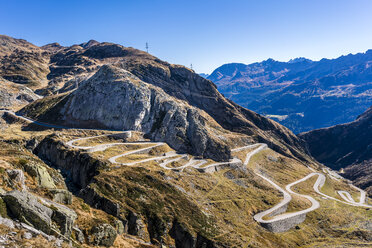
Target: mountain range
[[301, 94]]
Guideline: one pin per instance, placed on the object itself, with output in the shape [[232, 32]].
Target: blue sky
[[206, 33]]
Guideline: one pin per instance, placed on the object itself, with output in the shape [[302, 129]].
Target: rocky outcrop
[[14, 95], [41, 175], [40, 213], [116, 99], [136, 226], [37, 211], [11, 239], [27, 208], [96, 200], [184, 239], [78, 234], [61, 196], [78, 167], [17, 179], [103, 234], [204, 125]]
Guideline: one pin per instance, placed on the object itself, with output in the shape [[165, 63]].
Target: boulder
[[65, 218], [26, 208], [137, 227], [41, 174], [79, 236], [97, 200], [17, 178], [62, 215], [40, 213], [61, 196], [7, 222], [103, 234], [120, 227], [32, 144]]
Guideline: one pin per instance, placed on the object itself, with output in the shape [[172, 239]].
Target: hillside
[[176, 83], [301, 94], [121, 149], [347, 146]]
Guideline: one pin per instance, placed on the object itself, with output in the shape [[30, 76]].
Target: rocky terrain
[[22, 62], [13, 96], [347, 146], [120, 149], [80, 196], [71, 65], [301, 94]]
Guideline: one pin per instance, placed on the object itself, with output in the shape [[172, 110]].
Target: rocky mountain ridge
[[301, 94]]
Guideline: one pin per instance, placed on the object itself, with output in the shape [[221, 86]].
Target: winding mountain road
[[283, 222], [167, 158], [276, 219], [194, 163]]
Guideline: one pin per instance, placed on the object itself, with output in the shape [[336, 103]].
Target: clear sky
[[206, 33]]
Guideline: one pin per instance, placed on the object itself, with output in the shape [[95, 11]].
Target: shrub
[[85, 207], [3, 210], [22, 162]]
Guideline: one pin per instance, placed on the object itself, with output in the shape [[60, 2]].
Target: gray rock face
[[12, 94], [27, 208], [27, 235], [99, 201], [117, 99], [64, 217], [182, 236], [103, 234], [41, 213], [79, 167], [136, 226], [120, 227], [7, 222], [61, 196], [184, 239], [17, 178], [41, 173], [79, 235]]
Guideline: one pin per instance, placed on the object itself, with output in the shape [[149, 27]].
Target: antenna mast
[[147, 47]]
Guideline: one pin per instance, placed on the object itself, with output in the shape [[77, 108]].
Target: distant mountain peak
[[299, 60], [204, 75], [269, 60], [89, 44], [52, 46]]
